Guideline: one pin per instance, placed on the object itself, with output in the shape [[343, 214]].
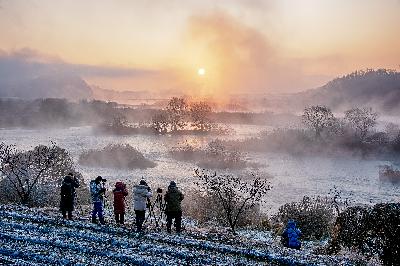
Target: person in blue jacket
[[97, 192], [290, 237]]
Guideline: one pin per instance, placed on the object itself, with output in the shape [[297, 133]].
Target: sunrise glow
[[201, 71]]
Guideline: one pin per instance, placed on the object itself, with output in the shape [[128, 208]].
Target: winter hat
[[99, 178], [143, 183], [172, 184], [291, 223], [119, 184]]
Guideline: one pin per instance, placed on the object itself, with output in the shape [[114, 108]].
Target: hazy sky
[[249, 45]]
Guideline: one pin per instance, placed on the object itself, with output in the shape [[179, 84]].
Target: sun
[[201, 72]]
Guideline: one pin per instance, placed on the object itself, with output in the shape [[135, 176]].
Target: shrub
[[115, 156], [372, 231], [218, 155], [186, 152], [205, 208], [314, 216], [215, 156], [237, 197]]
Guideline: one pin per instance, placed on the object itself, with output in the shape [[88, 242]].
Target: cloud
[[30, 63], [246, 60]]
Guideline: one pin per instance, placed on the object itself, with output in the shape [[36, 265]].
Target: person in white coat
[[141, 195]]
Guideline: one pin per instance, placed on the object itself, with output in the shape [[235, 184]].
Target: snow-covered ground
[[40, 237]]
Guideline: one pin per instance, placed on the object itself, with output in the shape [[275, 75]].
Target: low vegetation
[[315, 216], [206, 209], [232, 195], [372, 231], [216, 155], [115, 156]]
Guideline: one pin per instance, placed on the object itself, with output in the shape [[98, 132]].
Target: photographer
[[173, 210], [120, 193], [141, 194], [69, 184], [97, 192]]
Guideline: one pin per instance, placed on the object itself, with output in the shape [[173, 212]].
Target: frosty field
[[291, 177], [36, 237]]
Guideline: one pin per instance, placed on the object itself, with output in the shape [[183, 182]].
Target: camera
[[159, 190]]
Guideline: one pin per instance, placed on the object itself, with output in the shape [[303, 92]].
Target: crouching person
[[141, 194], [69, 184], [290, 237], [120, 193], [97, 192], [173, 209]]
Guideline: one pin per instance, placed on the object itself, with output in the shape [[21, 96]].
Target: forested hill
[[379, 89]]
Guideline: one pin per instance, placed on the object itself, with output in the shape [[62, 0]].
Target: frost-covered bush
[[293, 141], [115, 156], [236, 196], [215, 156], [186, 152], [207, 209], [314, 216], [34, 177], [372, 231], [219, 156]]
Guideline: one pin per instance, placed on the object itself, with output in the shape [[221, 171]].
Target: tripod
[[77, 202], [157, 204]]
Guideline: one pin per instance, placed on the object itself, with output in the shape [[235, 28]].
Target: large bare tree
[[235, 195]]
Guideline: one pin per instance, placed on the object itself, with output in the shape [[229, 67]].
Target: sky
[[270, 46]]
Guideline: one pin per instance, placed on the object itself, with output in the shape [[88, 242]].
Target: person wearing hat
[[120, 194], [173, 209], [97, 192], [69, 184], [141, 194]]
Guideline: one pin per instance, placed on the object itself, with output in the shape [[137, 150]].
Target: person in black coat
[[173, 208], [69, 184]]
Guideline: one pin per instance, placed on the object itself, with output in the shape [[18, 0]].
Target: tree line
[[178, 114], [360, 121]]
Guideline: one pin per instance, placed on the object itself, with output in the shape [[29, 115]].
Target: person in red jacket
[[120, 193]]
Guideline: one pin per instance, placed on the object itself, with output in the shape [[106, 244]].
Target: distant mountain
[[379, 89], [70, 87]]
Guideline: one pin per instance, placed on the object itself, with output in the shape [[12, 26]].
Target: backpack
[[67, 191]]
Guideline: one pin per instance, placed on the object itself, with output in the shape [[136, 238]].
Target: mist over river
[[291, 177]]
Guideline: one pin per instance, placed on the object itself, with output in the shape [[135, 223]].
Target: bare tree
[[177, 111], [235, 195], [160, 122], [318, 118], [200, 113], [29, 172], [361, 120]]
